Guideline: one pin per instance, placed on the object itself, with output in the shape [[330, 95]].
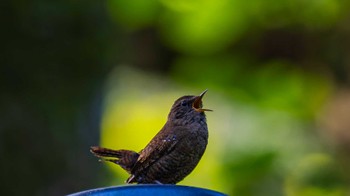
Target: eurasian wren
[[173, 153]]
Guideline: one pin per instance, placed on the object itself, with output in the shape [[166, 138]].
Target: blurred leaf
[[316, 175], [181, 5], [207, 28], [134, 14], [248, 170]]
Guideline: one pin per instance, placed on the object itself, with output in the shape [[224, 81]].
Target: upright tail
[[125, 158]]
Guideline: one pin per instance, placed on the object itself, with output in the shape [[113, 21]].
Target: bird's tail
[[125, 158]]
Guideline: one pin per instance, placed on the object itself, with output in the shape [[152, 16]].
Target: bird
[[173, 153]]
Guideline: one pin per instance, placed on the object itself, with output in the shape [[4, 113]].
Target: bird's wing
[[159, 146]]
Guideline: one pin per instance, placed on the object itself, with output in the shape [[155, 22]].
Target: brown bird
[[173, 153]]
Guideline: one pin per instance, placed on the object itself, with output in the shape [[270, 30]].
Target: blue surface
[[145, 190]]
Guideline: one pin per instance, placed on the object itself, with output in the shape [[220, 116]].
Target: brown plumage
[[173, 153]]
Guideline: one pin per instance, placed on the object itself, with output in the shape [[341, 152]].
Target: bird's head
[[189, 105]]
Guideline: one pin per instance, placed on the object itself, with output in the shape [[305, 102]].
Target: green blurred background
[[81, 73]]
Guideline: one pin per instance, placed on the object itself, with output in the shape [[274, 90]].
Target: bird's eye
[[183, 103]]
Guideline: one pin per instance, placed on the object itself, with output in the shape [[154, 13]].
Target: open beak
[[197, 104]]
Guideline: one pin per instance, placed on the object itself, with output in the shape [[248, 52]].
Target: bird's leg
[[157, 182]]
